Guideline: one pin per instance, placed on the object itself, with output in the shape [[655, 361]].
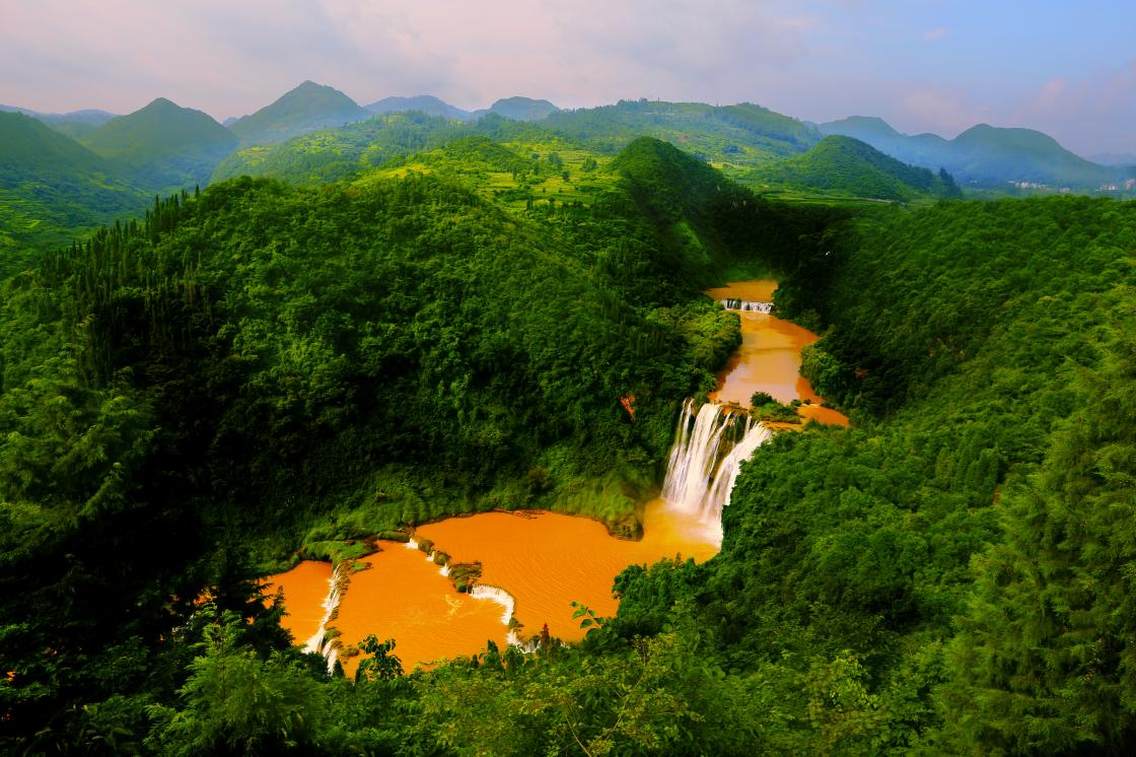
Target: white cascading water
[[704, 463], [500, 596], [317, 642], [757, 306]]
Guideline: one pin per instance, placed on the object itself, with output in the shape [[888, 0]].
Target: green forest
[[406, 318]]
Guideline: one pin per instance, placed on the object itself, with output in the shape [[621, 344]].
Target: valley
[[536, 562]]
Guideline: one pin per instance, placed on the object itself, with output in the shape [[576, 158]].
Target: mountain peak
[[854, 125], [161, 103], [520, 108], [307, 85], [163, 144], [308, 107]]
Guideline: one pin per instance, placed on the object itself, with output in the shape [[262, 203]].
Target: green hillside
[[333, 154], [846, 166], [29, 145], [710, 226], [163, 145], [988, 153], [308, 107], [52, 188], [530, 170]]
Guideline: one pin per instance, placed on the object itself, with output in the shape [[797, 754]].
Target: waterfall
[[704, 463], [444, 570], [500, 596], [757, 306], [317, 642]]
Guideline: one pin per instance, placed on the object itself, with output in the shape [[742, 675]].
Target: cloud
[[924, 108], [230, 58], [1090, 114], [815, 59]]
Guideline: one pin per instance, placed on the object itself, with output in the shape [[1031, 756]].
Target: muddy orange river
[[769, 358], [305, 587], [543, 560]]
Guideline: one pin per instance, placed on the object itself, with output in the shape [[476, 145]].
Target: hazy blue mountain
[[519, 109], [984, 155], [164, 145], [75, 124], [427, 104], [308, 107]]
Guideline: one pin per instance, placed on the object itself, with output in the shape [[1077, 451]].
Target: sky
[[1066, 68]]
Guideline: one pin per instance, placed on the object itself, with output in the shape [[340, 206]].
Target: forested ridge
[[263, 370]]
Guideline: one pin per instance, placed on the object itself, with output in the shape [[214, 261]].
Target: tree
[[1046, 659], [237, 703], [382, 664]]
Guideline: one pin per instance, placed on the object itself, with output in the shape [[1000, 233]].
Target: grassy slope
[[518, 174]]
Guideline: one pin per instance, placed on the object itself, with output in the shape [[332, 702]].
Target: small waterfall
[[704, 463], [500, 596], [757, 306], [444, 570], [317, 642]]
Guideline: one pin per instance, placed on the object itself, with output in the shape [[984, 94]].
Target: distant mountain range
[[427, 104], [983, 155], [62, 171], [742, 135], [514, 108], [75, 124]]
